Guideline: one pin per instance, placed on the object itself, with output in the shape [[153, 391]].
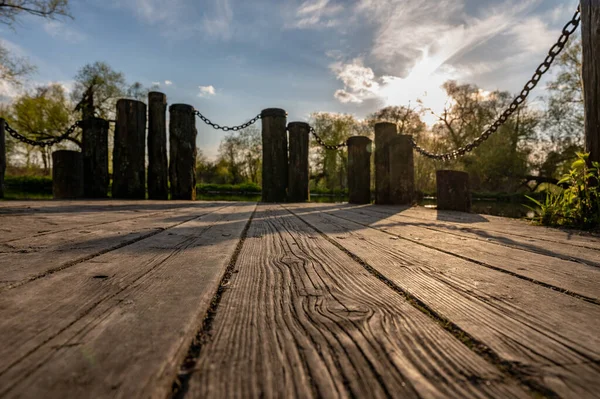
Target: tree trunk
[[158, 168], [95, 158], [182, 152], [129, 152]]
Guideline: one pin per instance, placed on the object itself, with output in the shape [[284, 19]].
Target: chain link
[[227, 128], [554, 51], [323, 144], [41, 143]]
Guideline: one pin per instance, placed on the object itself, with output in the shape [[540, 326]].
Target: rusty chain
[[227, 128], [554, 51], [41, 143], [332, 147]]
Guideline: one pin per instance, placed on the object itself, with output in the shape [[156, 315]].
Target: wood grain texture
[[95, 158], [402, 170], [571, 276], [453, 190], [384, 133], [129, 150], [2, 156], [528, 326], [182, 152], [67, 174], [302, 319], [35, 256], [359, 169], [120, 325], [275, 155], [158, 166], [590, 75]]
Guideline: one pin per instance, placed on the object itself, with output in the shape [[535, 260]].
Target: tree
[[137, 91], [11, 9], [43, 114], [13, 69], [97, 88]]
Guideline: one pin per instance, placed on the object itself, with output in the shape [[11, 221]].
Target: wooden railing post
[[95, 158], [384, 133], [359, 169], [182, 152], [298, 190], [158, 168], [2, 157], [67, 174], [402, 170], [275, 155], [129, 153], [590, 33], [453, 191]]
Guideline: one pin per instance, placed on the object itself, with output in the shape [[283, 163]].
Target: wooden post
[[2, 157], [95, 158], [359, 169], [129, 153], [158, 168], [67, 174], [182, 152], [402, 171], [298, 190], [453, 192], [275, 155], [384, 133], [590, 34]]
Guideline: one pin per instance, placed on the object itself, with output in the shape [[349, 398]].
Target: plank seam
[[508, 368], [528, 279], [181, 384], [102, 252]]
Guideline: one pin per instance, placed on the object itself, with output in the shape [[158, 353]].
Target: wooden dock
[[153, 299]]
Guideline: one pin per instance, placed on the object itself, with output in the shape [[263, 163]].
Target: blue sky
[[232, 58]]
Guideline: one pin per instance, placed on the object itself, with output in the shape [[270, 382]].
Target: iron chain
[[323, 144], [227, 128], [41, 143], [554, 51]]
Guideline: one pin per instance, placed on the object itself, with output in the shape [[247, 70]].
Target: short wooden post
[[67, 174], [590, 33], [158, 168], [384, 133], [2, 157], [95, 158], [359, 169], [129, 153], [275, 155], [182, 152], [298, 190], [402, 171], [453, 191]]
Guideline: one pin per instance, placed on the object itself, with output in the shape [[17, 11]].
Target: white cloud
[[206, 91], [317, 14], [168, 82], [156, 84], [60, 30]]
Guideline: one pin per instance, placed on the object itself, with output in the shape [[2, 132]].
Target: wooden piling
[[275, 155], [384, 133], [402, 170], [2, 156], [590, 34], [298, 190], [453, 191], [67, 174], [359, 169], [129, 153], [158, 168], [95, 158], [182, 152]]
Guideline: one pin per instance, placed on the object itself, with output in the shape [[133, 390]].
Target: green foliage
[[105, 85], [578, 205], [29, 184], [228, 188]]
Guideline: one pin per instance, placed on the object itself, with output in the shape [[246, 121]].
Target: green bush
[[228, 188], [28, 184], [578, 205]]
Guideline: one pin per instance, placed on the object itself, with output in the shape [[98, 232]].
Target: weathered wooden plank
[[120, 325], [514, 235], [33, 257], [574, 277], [514, 227], [530, 327], [302, 319]]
